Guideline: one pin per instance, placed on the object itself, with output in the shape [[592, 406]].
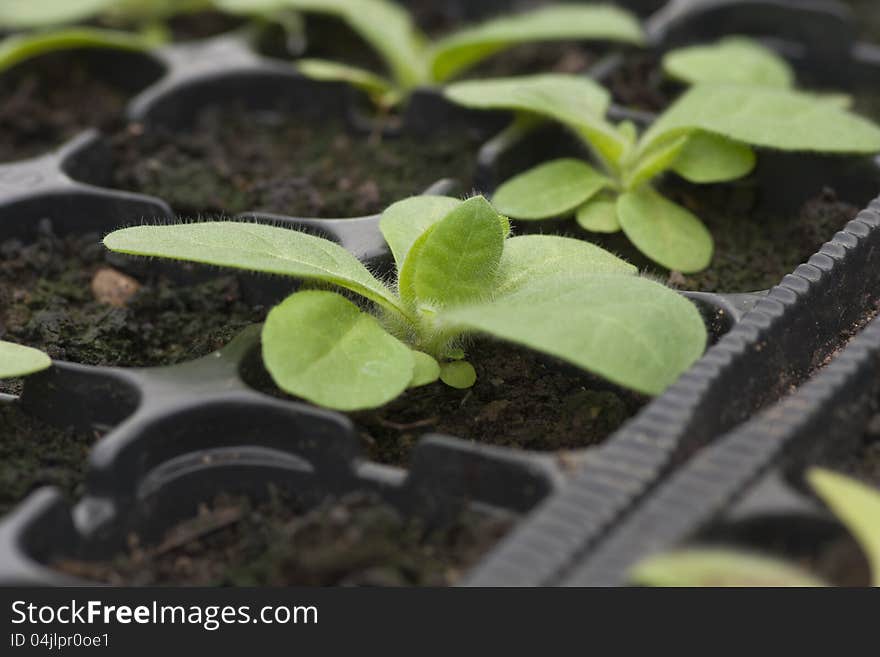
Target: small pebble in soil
[[70, 297], [113, 287]]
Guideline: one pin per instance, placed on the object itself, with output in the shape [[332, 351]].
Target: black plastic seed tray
[[748, 486], [773, 348], [175, 436]]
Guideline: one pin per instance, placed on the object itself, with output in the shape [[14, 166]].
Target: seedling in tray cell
[[739, 60], [855, 504], [46, 26], [413, 60], [458, 274], [707, 136]]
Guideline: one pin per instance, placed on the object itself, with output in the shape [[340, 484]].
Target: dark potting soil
[[34, 454], [841, 560], [639, 83], [50, 99], [353, 540], [754, 248], [202, 25], [529, 59], [521, 400], [188, 26], [837, 557], [235, 161], [834, 558], [867, 14], [55, 295], [323, 37]]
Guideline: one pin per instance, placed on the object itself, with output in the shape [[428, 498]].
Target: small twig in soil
[[388, 424], [199, 527]]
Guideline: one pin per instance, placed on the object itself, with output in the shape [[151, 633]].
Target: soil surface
[[43, 104], [202, 25], [67, 297], [533, 58], [836, 558], [867, 18], [34, 454], [352, 540], [841, 560], [754, 249], [521, 400], [639, 83], [235, 161]]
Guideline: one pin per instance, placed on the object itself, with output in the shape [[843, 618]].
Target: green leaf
[[467, 47], [629, 330], [735, 59], [564, 98], [599, 215], [257, 7], [708, 158], [20, 47], [21, 14], [17, 360], [577, 102], [552, 189], [456, 260], [425, 370], [841, 100], [528, 259], [458, 374], [321, 347], [655, 161], [857, 506], [255, 247], [761, 116], [664, 231], [388, 29], [405, 221], [145, 11], [377, 87], [712, 567]]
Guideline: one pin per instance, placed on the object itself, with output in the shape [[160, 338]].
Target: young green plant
[[412, 60], [706, 136], [855, 504], [52, 25], [458, 274], [29, 15], [739, 60], [735, 59], [17, 360]]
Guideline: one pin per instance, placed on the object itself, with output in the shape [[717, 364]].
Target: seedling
[[52, 24], [707, 136], [413, 61], [856, 505], [458, 273], [29, 15], [17, 48], [17, 360], [740, 60], [734, 59]]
